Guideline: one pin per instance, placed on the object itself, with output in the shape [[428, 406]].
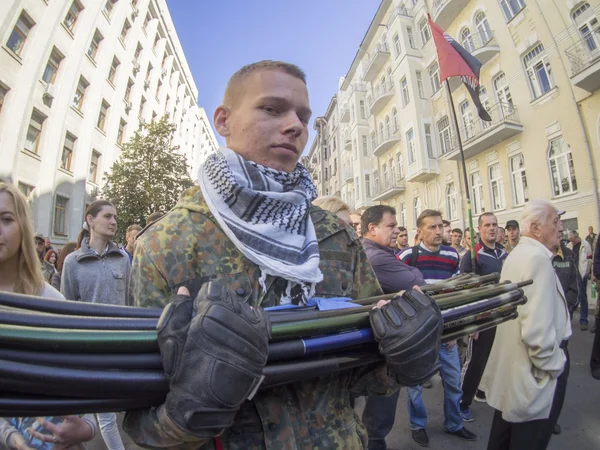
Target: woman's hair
[[49, 253], [93, 210], [30, 280], [69, 248], [331, 203]]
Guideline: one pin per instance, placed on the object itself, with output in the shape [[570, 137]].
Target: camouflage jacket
[[186, 248]]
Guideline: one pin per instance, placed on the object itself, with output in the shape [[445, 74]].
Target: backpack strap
[[414, 256]]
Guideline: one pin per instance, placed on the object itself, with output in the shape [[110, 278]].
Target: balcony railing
[[478, 135], [400, 11], [347, 142], [344, 113], [445, 11], [584, 58], [388, 186], [384, 140], [381, 95], [377, 59], [481, 45], [348, 174]]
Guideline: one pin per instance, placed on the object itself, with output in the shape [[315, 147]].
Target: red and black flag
[[455, 61]]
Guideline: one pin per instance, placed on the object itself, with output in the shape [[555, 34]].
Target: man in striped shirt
[[436, 262]]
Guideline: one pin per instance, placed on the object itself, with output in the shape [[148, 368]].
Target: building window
[[158, 87], [121, 132], [365, 146], [387, 127], [112, 72], [61, 206], [352, 115], [108, 7], [466, 116], [466, 40], [434, 78], [511, 8], [411, 37], [363, 113], [381, 135], [26, 190], [410, 147], [400, 165], [368, 185], [147, 20], [420, 86], [483, 27], [384, 174], [32, 139], [538, 71], [561, 167], [52, 66], [416, 208], [104, 107], [138, 52], [518, 179], [587, 23], [125, 30], [405, 94], [496, 187], [445, 134], [72, 15], [451, 205], [148, 75], [477, 193], [142, 107], [17, 38], [156, 42], [357, 187], [94, 45], [397, 48], [402, 209], [67, 153], [80, 93], [94, 163], [3, 92], [373, 141], [503, 92], [128, 90], [429, 141], [396, 123], [424, 31]]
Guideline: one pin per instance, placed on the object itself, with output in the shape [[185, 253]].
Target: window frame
[[94, 179], [451, 201], [36, 122], [424, 32], [81, 89], [74, 10], [518, 179], [434, 77], [536, 62], [52, 65], [61, 212], [568, 164], [405, 92], [496, 183], [102, 115], [507, 8], [477, 192], [411, 150], [21, 35], [66, 164]]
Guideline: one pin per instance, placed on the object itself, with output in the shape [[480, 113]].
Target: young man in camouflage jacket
[[264, 120]]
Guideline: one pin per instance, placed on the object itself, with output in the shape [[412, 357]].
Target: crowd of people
[[248, 234]]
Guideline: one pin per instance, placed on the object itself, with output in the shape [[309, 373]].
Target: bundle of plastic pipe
[[62, 357]]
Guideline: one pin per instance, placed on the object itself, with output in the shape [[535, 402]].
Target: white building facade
[[76, 79]]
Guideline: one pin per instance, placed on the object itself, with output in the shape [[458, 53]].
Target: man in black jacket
[[595, 360], [566, 270], [489, 257]]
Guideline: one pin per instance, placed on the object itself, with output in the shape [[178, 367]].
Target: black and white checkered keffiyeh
[[265, 213]]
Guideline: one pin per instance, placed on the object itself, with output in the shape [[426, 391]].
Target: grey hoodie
[[93, 278]]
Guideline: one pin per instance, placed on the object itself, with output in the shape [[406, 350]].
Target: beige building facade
[[76, 79], [540, 84]]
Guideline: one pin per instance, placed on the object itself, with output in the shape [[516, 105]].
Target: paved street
[[580, 417]]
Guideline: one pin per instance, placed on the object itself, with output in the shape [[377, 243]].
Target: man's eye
[[270, 109]]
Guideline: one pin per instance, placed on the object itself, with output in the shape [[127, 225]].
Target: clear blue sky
[[220, 36]]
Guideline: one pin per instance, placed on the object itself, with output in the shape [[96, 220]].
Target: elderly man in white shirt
[[526, 358]]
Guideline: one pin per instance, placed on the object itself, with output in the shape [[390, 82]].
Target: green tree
[[148, 177]]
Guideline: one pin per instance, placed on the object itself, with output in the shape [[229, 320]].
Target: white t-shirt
[[49, 292]]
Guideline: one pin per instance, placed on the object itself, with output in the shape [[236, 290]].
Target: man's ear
[[221, 120]]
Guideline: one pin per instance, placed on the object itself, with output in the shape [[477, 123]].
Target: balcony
[[420, 174], [482, 46], [479, 136], [400, 11], [382, 95], [347, 141], [384, 141], [388, 187], [446, 11], [584, 58], [348, 175], [379, 56], [344, 113]]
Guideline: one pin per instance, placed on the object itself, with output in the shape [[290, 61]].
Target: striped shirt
[[435, 266]]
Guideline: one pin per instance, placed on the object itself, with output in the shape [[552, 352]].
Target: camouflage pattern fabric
[[187, 248]]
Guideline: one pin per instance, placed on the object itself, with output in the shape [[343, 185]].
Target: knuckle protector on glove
[[172, 330]]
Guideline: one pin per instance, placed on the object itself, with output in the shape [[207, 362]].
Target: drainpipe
[[319, 125], [580, 117]]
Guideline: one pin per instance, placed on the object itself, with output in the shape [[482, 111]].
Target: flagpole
[[464, 170]]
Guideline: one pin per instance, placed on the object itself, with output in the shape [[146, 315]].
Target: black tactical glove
[[213, 351], [409, 332]]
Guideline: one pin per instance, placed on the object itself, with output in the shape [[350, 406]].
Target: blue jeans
[[583, 301], [450, 372], [378, 418]]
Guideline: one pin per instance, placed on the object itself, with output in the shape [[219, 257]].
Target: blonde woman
[[335, 205], [20, 273]]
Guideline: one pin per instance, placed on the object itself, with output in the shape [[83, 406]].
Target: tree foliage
[[148, 177]]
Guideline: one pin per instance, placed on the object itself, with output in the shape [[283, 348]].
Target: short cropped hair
[[374, 214], [232, 91], [402, 228], [425, 214], [446, 223], [133, 227], [535, 211], [484, 215], [574, 233], [457, 230], [331, 203]]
